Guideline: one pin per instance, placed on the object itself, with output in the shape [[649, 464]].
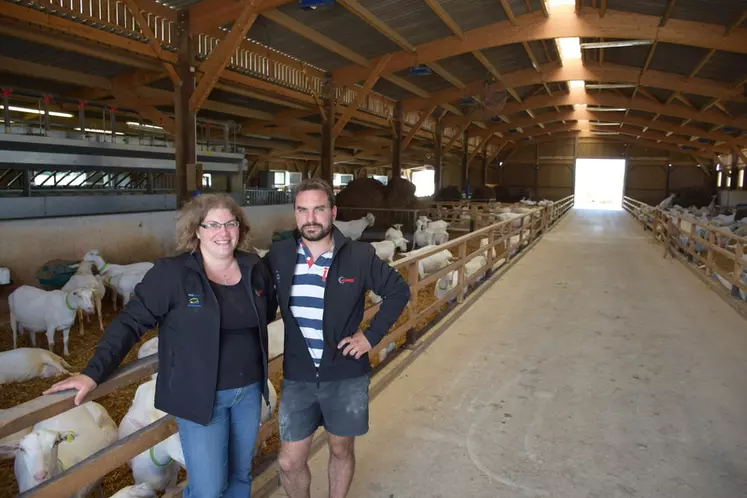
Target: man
[[321, 279]]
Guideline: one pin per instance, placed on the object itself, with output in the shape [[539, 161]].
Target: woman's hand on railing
[[83, 383]]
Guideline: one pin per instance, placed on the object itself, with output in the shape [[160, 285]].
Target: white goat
[[111, 271], [143, 490], [386, 248], [124, 284], [354, 229], [422, 237], [18, 365], [85, 279], [666, 203], [38, 310], [261, 252], [58, 443], [438, 236], [4, 275], [155, 466], [445, 284], [148, 348], [394, 233], [432, 263]]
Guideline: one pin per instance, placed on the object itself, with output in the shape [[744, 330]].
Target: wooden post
[[185, 140], [437, 156], [397, 141], [485, 168], [738, 257], [328, 123], [465, 160], [412, 306], [709, 260], [306, 170], [460, 272]]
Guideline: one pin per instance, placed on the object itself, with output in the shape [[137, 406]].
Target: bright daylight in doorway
[[599, 183]]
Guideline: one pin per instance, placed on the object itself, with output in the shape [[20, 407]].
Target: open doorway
[[599, 183]]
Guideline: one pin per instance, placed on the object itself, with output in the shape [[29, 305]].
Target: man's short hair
[[315, 184]]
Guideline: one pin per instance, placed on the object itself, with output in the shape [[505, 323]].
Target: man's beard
[[323, 232]]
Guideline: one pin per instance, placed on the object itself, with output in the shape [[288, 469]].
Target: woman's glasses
[[214, 225]]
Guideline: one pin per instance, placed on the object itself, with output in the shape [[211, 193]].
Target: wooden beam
[[465, 160], [155, 44], [508, 11], [445, 18], [555, 73], [361, 94], [438, 69], [667, 13], [185, 130], [221, 56], [563, 23], [437, 156], [328, 138], [602, 8], [131, 100], [738, 22], [460, 130], [424, 115], [209, 15], [397, 141], [368, 17], [323, 41]]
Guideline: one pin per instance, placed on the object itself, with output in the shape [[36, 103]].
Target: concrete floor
[[593, 368]]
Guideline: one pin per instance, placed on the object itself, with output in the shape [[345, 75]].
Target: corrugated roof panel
[[628, 56], [722, 12], [700, 124], [389, 89], [736, 108], [344, 27], [650, 7], [670, 119], [539, 51], [697, 100], [641, 114], [412, 19], [725, 66], [474, 13], [465, 67], [430, 83], [659, 93], [508, 58], [275, 36], [678, 59], [529, 90], [50, 56]]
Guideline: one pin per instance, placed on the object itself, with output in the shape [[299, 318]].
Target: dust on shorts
[[340, 406]]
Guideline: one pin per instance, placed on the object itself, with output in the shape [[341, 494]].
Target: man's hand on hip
[[356, 345]]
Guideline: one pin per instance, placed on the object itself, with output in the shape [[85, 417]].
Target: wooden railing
[[718, 252], [499, 236]]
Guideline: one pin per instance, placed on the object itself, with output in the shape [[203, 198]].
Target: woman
[[212, 304]]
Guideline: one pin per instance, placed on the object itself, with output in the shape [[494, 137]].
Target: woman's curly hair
[[193, 213]]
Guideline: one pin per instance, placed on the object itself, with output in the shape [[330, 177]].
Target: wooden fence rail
[[683, 236], [500, 234]]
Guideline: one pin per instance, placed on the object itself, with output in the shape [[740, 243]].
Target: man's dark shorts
[[341, 407]]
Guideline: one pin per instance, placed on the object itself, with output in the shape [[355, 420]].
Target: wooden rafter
[[220, 57], [535, 26], [360, 95], [738, 22], [445, 18], [553, 72], [301, 29], [602, 8], [155, 44], [667, 13], [208, 15], [456, 136], [508, 11], [416, 128], [497, 151]]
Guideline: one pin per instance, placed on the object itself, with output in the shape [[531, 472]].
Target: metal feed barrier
[[499, 236]]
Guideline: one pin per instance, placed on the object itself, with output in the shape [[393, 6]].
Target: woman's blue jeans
[[219, 456]]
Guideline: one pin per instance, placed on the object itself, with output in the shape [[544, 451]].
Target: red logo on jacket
[[343, 280]]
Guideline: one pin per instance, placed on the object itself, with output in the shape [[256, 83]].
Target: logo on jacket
[[259, 292], [277, 275], [343, 280], [193, 301]]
